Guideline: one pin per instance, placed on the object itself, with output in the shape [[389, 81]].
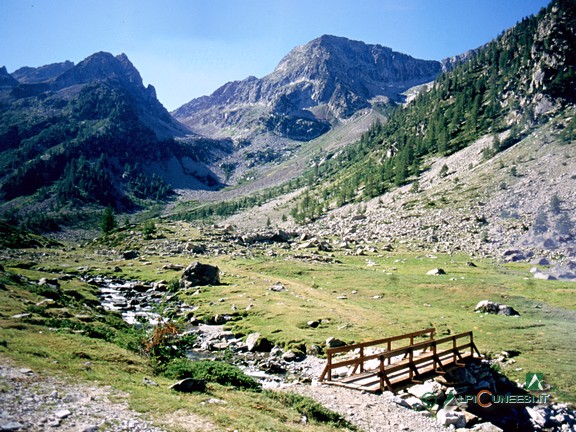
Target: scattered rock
[[487, 306], [10, 426], [197, 274], [149, 382], [446, 418], [332, 342], [54, 283], [255, 342], [485, 427], [62, 414], [189, 385], [543, 276], [277, 287], [436, 272], [130, 255], [428, 387]]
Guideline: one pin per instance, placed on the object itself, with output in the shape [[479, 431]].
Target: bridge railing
[[452, 349], [359, 361]]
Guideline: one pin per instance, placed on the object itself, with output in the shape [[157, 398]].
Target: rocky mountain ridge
[[313, 87]]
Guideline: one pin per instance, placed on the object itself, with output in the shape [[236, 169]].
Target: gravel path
[[34, 402], [370, 412]]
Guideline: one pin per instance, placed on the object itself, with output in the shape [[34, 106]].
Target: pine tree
[[108, 221]]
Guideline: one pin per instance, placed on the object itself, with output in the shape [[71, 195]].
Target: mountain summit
[[315, 86]]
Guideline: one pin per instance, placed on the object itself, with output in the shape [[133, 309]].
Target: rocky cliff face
[[315, 86]]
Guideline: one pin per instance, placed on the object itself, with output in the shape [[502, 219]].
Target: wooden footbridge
[[385, 363]]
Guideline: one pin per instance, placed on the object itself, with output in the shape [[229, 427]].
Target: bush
[[166, 344], [211, 371]]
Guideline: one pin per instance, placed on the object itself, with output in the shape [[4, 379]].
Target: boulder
[[129, 255], [197, 274], [278, 287], [436, 272], [332, 342], [255, 342], [427, 388], [487, 306], [486, 427], [543, 276], [188, 385], [446, 418], [194, 248], [54, 283]]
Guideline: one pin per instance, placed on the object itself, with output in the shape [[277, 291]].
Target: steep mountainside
[[313, 87], [509, 87], [92, 133], [515, 96]]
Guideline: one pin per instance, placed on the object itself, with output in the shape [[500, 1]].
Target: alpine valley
[[354, 192]]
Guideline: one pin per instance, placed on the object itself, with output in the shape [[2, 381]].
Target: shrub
[[211, 371]]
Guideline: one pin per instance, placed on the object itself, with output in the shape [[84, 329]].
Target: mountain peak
[[324, 81], [99, 67]]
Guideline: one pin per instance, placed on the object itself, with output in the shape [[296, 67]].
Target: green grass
[[408, 300]]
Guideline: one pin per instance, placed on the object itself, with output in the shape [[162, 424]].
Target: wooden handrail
[[379, 341], [407, 351]]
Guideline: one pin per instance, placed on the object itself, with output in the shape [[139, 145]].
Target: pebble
[[32, 402]]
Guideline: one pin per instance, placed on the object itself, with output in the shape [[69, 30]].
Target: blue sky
[[188, 48]]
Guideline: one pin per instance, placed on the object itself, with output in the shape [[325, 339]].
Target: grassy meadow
[[355, 298]]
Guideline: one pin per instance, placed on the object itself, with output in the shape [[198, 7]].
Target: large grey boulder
[[255, 342], [197, 274]]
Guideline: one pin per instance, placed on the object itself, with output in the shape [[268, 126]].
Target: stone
[[543, 276], [50, 282], [195, 248], [486, 427], [91, 428], [536, 418], [399, 401], [428, 387], [415, 403], [149, 382], [62, 414], [255, 342], [130, 254], [10, 425], [487, 306], [198, 274], [188, 385], [447, 417], [333, 342], [277, 287], [290, 356], [436, 272]]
